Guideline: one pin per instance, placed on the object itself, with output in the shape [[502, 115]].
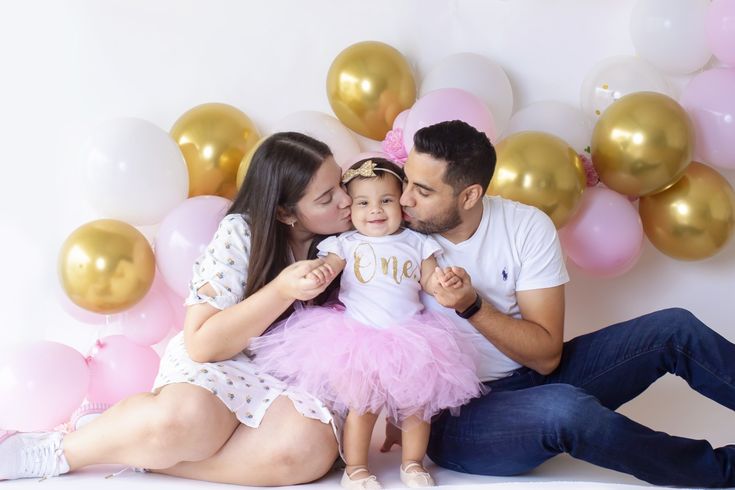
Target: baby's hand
[[304, 280], [449, 279], [321, 275]]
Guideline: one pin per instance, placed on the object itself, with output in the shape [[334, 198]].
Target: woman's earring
[[293, 223]]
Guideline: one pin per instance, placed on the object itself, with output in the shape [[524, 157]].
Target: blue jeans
[[527, 418]]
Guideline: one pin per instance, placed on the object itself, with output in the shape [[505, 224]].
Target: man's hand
[[393, 435]]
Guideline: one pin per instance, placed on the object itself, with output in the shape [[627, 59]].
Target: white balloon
[[477, 75], [325, 128], [134, 171], [670, 34], [614, 77], [557, 118]]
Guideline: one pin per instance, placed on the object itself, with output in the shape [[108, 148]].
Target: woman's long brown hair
[[279, 173]]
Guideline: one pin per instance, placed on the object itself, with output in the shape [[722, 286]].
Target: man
[[546, 396]]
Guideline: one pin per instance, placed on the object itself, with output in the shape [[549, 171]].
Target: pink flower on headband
[[393, 146], [589, 169]]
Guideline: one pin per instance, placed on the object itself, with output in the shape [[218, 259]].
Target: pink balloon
[[448, 104], [119, 368], [179, 310], [720, 30], [605, 237], [175, 302], [41, 383], [149, 320], [183, 235], [400, 121], [709, 98]]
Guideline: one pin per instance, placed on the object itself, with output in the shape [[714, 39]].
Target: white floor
[[659, 408], [562, 472]]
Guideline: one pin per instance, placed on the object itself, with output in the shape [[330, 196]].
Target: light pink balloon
[[183, 235], [177, 306], [400, 121], [605, 236], [149, 320], [175, 302], [709, 98], [720, 29], [119, 368], [448, 104], [41, 384]]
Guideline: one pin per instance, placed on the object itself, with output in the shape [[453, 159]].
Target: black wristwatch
[[472, 309]]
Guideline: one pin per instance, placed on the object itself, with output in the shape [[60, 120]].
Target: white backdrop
[[66, 66]]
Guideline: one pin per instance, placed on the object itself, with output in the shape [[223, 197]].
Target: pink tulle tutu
[[418, 367]]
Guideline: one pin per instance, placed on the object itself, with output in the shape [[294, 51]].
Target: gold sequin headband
[[367, 169]]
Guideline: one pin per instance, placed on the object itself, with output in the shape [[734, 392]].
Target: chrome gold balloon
[[245, 164], [368, 85], [214, 138], [694, 218], [642, 144], [106, 266], [541, 170]]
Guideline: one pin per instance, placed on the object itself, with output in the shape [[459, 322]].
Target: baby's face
[[375, 207]]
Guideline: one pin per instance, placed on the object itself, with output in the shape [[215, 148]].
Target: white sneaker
[[31, 455]]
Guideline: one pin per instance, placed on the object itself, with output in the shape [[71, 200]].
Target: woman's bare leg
[[182, 422], [286, 449]]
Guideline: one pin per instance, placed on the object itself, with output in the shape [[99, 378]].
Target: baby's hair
[[382, 169]]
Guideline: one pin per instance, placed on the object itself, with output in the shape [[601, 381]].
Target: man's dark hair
[[468, 152]]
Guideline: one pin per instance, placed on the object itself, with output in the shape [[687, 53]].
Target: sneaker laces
[[44, 459], [136, 469]]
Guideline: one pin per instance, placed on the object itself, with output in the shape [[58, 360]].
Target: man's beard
[[438, 224]]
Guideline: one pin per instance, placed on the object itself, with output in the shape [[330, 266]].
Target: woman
[[252, 274]]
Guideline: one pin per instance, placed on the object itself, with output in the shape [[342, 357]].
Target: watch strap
[[472, 309]]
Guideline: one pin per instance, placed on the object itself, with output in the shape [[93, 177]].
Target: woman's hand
[[304, 280]]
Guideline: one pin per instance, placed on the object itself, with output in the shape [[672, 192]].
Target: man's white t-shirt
[[515, 248]]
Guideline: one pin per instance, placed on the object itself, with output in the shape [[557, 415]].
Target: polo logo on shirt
[[505, 274]]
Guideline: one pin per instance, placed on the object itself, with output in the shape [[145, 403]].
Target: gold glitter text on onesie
[[366, 264]]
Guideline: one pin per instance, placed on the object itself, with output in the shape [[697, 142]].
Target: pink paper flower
[[393, 146], [589, 169]]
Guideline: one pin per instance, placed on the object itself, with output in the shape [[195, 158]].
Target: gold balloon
[[541, 170], [245, 163], [368, 85], [642, 144], [106, 266], [213, 138], [694, 218]]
